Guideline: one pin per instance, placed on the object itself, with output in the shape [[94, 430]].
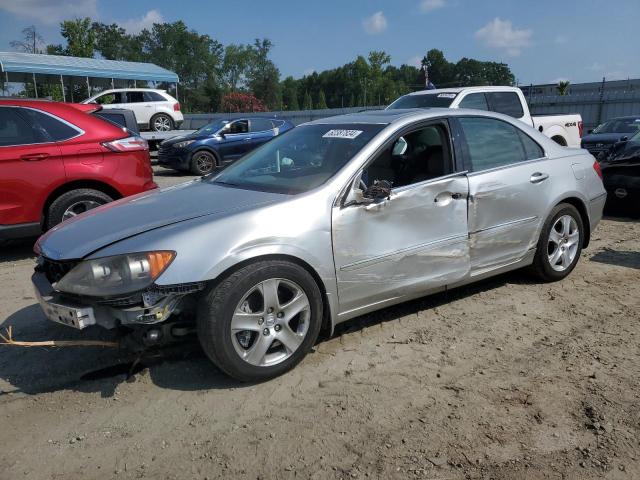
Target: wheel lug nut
[[280, 315], [260, 321], [270, 309], [277, 328], [265, 331]]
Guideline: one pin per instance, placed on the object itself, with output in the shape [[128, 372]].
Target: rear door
[[509, 188], [143, 110], [30, 163], [416, 240]]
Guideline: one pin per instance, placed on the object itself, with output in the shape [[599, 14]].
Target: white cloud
[[376, 23], [147, 21], [415, 61], [427, 6], [51, 11], [501, 34]]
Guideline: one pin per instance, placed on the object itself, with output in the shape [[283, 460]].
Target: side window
[[491, 143], [153, 97], [49, 128], [476, 101], [239, 126], [135, 97], [261, 125], [531, 149], [417, 156], [14, 129], [507, 103], [108, 99]]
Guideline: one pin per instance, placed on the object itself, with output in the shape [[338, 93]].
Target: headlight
[[117, 275], [183, 144]]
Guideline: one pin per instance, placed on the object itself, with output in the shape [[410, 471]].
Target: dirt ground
[[505, 379]]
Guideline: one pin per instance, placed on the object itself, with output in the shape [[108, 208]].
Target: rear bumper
[[596, 207], [20, 230]]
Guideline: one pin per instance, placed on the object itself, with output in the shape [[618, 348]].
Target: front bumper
[[178, 159], [146, 308]]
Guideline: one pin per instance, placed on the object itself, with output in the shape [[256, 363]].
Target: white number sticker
[[446, 95], [349, 134]]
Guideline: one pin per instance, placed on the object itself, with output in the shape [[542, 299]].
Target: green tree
[[114, 43], [307, 104], [263, 75], [322, 101], [235, 66], [80, 37], [441, 71], [290, 94], [563, 87]]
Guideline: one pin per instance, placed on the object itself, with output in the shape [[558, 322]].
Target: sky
[[543, 41]]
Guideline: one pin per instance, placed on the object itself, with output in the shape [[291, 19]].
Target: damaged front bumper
[[152, 306]]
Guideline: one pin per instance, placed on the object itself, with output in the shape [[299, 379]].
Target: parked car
[[621, 175], [219, 143], [565, 130], [605, 135], [332, 220], [154, 109], [57, 160]]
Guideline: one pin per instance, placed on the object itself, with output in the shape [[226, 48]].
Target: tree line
[[240, 77]]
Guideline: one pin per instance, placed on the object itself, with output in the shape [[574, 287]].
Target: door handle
[[247, 138], [538, 177], [444, 197], [34, 157]]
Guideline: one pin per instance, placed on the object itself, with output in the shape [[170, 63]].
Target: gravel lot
[[504, 379]]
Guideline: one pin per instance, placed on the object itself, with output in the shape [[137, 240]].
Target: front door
[[237, 140], [509, 188], [416, 240]]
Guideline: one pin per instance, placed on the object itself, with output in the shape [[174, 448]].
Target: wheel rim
[[564, 240], [78, 208], [270, 322], [162, 124], [204, 163]]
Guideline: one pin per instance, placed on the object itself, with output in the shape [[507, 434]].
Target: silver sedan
[[334, 219]]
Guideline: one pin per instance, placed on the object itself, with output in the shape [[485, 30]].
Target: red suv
[[57, 160]]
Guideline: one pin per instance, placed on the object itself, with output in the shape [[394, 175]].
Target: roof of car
[[111, 90], [382, 117], [467, 89]]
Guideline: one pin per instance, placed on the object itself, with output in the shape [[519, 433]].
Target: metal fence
[[595, 107], [194, 121]]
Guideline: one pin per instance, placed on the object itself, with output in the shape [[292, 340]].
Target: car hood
[[603, 137], [93, 230], [181, 138]]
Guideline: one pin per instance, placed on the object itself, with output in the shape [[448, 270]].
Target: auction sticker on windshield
[[349, 134], [446, 95]]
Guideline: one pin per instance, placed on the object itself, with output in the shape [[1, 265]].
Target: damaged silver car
[[334, 219]]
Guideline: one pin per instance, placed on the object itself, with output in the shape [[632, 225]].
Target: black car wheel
[[73, 203], [203, 162], [261, 320]]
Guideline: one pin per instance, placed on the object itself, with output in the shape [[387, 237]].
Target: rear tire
[[161, 123], [560, 244], [73, 203], [275, 339], [202, 162]]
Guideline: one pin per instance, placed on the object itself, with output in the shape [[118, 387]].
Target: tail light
[[176, 107], [580, 128], [129, 144], [596, 167]]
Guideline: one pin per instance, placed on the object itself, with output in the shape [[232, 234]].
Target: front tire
[[202, 162], [73, 203], [260, 321], [560, 244]]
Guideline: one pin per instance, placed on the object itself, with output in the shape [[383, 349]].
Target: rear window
[[51, 127], [507, 103], [426, 100], [153, 97]]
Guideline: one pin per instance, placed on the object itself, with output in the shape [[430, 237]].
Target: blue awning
[[16, 62]]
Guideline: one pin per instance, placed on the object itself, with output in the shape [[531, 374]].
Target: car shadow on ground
[[15, 250], [618, 257], [184, 367]]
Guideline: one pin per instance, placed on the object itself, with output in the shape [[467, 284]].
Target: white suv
[[154, 109]]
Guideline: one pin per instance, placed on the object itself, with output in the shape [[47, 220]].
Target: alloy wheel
[[162, 124], [270, 322], [78, 208], [563, 243], [204, 163]]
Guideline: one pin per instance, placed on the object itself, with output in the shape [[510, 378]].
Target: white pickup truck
[[565, 130]]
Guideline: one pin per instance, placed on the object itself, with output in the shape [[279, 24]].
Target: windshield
[[426, 100], [213, 127], [299, 160], [619, 125]]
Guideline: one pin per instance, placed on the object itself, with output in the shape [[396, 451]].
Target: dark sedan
[[605, 135], [621, 176], [219, 143]]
